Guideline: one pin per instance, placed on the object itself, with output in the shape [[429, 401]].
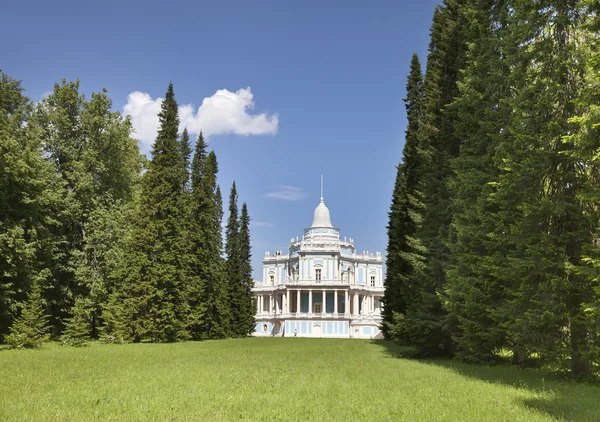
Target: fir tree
[[474, 292], [150, 302], [217, 318], [207, 294], [404, 255], [545, 174], [78, 328], [186, 154], [233, 263], [423, 324], [31, 329], [247, 308]]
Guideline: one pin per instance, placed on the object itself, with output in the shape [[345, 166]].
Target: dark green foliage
[[404, 251], [510, 187], [472, 287], [98, 163], [548, 177], [186, 154], [207, 291], [149, 304], [424, 318], [31, 329], [31, 203], [233, 265], [246, 323], [78, 328]]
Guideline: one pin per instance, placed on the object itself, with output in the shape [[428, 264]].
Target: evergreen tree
[[247, 308], [149, 304], [233, 264], [77, 328], [542, 168], [207, 295], [30, 330], [186, 153], [217, 321], [404, 252], [474, 292], [423, 323]]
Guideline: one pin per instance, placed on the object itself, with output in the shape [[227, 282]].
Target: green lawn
[[275, 379]]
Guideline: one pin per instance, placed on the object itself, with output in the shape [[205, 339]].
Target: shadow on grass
[[556, 397]]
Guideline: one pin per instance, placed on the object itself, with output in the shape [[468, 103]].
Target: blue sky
[[289, 91]]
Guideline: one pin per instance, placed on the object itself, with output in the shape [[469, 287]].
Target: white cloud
[[287, 193], [223, 112], [263, 224]]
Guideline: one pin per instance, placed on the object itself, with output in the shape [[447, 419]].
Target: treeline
[[494, 225], [96, 241]]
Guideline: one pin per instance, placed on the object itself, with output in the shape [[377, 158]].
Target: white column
[[272, 303], [355, 304], [335, 302], [310, 307], [298, 299], [346, 303], [287, 302], [324, 302], [276, 302]]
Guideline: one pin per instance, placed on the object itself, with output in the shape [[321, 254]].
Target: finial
[[321, 188]]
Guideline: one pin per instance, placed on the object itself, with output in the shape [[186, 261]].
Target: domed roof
[[321, 217]]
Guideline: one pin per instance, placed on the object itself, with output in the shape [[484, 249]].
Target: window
[[272, 279], [318, 275], [372, 281]]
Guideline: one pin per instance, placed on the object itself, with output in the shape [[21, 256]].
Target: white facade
[[320, 265]]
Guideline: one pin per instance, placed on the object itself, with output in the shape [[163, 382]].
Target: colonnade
[[290, 301]]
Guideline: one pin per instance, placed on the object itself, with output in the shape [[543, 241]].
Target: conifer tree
[[217, 318], [233, 263], [77, 328], [423, 324], [246, 323], [545, 175], [474, 292], [149, 304], [207, 294], [31, 329], [404, 254], [199, 221], [186, 154]]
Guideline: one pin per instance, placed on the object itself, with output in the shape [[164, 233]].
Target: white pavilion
[[321, 287]]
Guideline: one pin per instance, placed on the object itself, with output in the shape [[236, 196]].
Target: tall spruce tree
[[149, 304], [233, 263], [474, 292], [207, 292], [423, 324], [30, 329], [547, 287], [247, 308], [186, 154], [404, 252]]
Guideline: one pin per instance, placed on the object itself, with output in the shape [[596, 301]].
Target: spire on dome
[[321, 216], [321, 187]]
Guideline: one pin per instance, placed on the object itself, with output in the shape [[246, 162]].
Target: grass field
[[275, 379]]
